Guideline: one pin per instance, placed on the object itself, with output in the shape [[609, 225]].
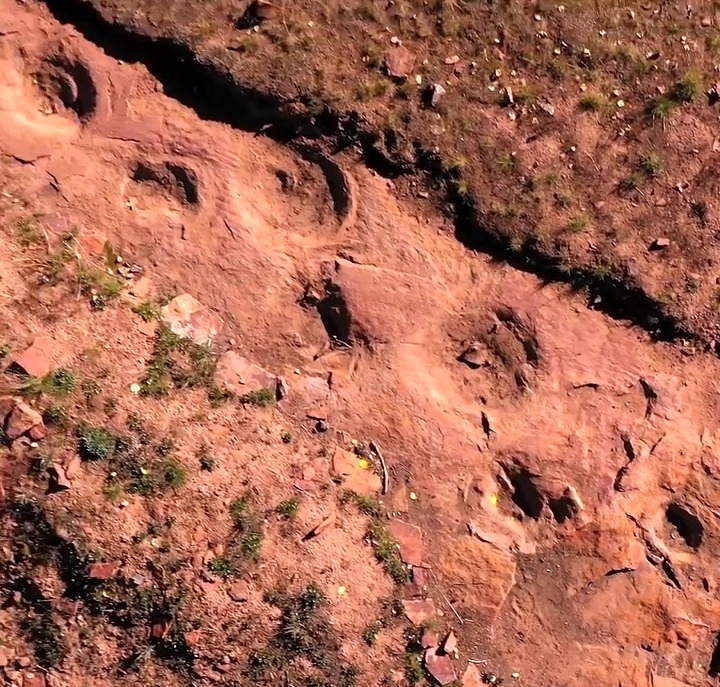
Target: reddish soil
[[561, 466]]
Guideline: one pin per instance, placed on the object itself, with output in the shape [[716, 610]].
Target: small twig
[[301, 490], [478, 661], [452, 608], [386, 476]]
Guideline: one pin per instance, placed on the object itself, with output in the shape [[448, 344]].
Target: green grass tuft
[[386, 551], [288, 509], [262, 398]]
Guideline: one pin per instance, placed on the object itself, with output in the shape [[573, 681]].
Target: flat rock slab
[[409, 539], [349, 466], [440, 666], [481, 574], [187, 317], [36, 360], [20, 419], [241, 376], [472, 677], [418, 611]]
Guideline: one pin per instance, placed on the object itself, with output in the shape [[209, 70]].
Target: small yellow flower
[[364, 464], [494, 500]]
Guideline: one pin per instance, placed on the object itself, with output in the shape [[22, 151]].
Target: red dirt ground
[[563, 476]]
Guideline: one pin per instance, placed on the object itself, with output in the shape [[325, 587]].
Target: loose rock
[[36, 360], [440, 666], [104, 571], [363, 481], [660, 243], [399, 62], [320, 527], [450, 643], [418, 611], [58, 479], [241, 376], [436, 92], [239, 591], [187, 317], [429, 639], [472, 677], [22, 419], [409, 539]]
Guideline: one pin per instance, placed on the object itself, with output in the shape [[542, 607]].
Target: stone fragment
[[36, 360], [449, 643], [22, 419], [436, 92], [409, 539], [440, 666], [472, 677], [187, 317], [399, 62], [417, 611], [33, 680], [72, 466], [104, 571], [38, 432], [320, 527], [659, 243], [429, 639], [239, 591], [241, 376], [7, 403], [160, 630], [58, 479], [142, 288], [361, 480]]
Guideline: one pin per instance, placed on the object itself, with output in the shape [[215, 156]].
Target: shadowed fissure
[[215, 95]]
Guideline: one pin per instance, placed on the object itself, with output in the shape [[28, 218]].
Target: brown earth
[[552, 471], [570, 136]]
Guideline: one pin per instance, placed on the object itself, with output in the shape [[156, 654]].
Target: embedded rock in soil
[[22, 419], [399, 62], [429, 639], [440, 666], [33, 680], [355, 478], [482, 575], [471, 677], [450, 643], [409, 539], [58, 479], [104, 571], [241, 376], [418, 611], [35, 360], [187, 317]]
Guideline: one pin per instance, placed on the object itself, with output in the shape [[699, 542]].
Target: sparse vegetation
[[286, 436], [592, 101], [247, 536], [288, 509], [147, 311], [59, 382], [95, 443], [687, 88], [577, 224], [365, 504], [177, 362], [371, 633], [651, 165], [206, 459], [386, 551], [100, 286], [27, 232], [222, 566], [262, 398]]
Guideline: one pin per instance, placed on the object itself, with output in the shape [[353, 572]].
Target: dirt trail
[[563, 463]]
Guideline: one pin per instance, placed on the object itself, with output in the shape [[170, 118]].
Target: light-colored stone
[[187, 317], [399, 62], [418, 611], [471, 677], [440, 666], [362, 480], [409, 539], [241, 376], [36, 360], [58, 478], [104, 571], [22, 419]]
